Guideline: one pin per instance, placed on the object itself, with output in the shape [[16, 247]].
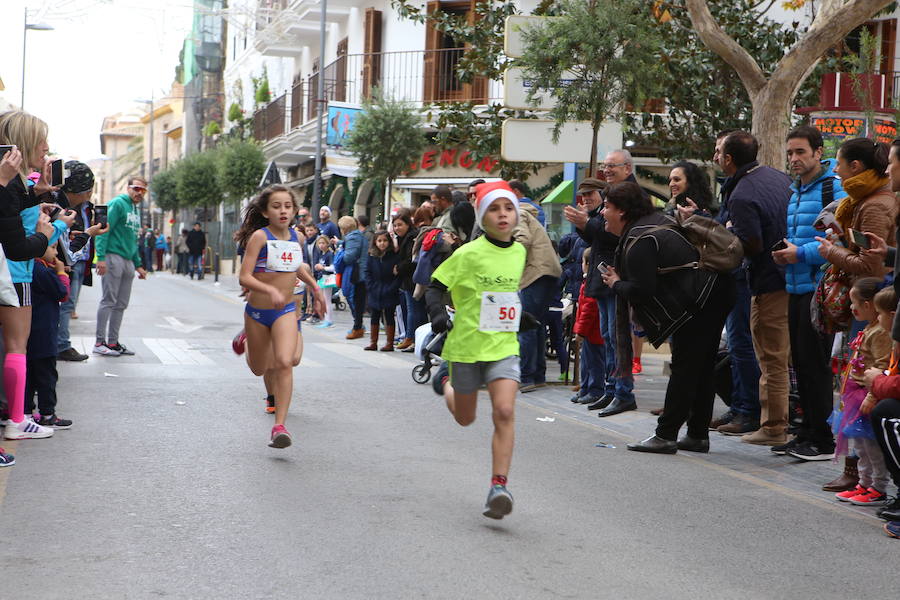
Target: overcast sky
[[101, 56]]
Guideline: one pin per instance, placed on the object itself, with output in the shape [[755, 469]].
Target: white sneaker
[[27, 429], [105, 350]]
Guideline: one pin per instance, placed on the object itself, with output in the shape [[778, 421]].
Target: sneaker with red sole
[[270, 404], [845, 496], [636, 367], [239, 343], [280, 437], [871, 497]]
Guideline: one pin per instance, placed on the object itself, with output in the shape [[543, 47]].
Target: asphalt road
[[165, 487]]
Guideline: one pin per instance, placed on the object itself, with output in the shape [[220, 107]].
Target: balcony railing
[[416, 76], [267, 11]]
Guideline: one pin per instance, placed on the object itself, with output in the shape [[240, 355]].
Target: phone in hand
[[57, 173], [603, 268], [4, 150], [828, 221], [100, 215], [54, 212], [859, 239], [779, 245]]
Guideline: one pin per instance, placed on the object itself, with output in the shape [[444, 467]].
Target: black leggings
[[376, 315], [886, 424]]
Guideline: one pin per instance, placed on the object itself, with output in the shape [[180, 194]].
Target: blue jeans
[[618, 387], [195, 264], [744, 366], [593, 369], [535, 299], [66, 309], [557, 338], [415, 313]]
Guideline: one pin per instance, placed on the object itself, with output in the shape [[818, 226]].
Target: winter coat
[[876, 214], [356, 248], [587, 318], [406, 266], [196, 242], [541, 259], [382, 286], [181, 246], [47, 290], [603, 249], [803, 209]]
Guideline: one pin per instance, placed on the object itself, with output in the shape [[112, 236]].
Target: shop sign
[[842, 126], [454, 157], [341, 118]]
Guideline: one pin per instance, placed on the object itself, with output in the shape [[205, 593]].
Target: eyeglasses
[[138, 188], [605, 166]]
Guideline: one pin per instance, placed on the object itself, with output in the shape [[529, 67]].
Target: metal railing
[[415, 76], [267, 11]]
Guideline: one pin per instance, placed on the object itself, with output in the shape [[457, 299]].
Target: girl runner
[[272, 263]]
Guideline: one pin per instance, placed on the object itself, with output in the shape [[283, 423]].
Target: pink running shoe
[[280, 437], [239, 343]]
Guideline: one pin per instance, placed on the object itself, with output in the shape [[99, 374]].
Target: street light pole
[[320, 106], [25, 27]]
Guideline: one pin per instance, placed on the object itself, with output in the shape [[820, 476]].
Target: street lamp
[[25, 28], [150, 160]]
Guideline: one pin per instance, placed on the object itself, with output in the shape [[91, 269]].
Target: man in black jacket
[[619, 390], [196, 243]]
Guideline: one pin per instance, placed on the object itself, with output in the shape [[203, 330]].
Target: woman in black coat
[[404, 236], [686, 306]]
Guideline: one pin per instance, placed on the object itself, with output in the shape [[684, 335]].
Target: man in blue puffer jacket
[[815, 187]]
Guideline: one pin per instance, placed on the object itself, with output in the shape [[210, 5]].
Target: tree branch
[[722, 44]]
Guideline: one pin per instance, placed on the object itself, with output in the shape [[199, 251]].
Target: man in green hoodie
[[117, 260]]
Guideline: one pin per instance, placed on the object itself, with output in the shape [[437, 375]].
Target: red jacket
[[886, 386], [587, 318]]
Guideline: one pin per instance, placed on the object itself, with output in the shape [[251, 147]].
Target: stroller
[[428, 347]]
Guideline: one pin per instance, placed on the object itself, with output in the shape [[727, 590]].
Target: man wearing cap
[[325, 224], [591, 226], [79, 248], [117, 261]]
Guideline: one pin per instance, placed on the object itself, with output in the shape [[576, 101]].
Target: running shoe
[[6, 459], [324, 325], [239, 343], [636, 367], [871, 497], [845, 496], [104, 350], [54, 422], [499, 502], [892, 529], [270, 404], [783, 449], [440, 378], [27, 429], [280, 437], [121, 349]]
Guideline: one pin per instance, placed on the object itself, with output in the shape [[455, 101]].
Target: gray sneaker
[[499, 502], [121, 349], [104, 350]]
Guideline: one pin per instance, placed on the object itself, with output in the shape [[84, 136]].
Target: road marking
[[176, 351], [381, 360], [176, 325]]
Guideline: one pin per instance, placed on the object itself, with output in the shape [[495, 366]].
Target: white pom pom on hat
[[486, 193]]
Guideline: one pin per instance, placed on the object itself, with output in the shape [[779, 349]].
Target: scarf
[[858, 188]]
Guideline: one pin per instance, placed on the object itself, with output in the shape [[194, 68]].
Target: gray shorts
[[466, 378]]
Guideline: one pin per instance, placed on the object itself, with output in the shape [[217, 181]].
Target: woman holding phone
[[29, 135]]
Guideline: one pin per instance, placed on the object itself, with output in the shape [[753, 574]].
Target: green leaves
[[197, 180], [163, 188], [240, 167], [387, 137]]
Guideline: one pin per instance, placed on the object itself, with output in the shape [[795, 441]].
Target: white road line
[[381, 360], [161, 351], [190, 355]]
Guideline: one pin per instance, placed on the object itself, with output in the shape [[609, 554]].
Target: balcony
[[284, 27], [417, 77], [843, 92]]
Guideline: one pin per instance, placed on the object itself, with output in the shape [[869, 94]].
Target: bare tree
[[772, 95]]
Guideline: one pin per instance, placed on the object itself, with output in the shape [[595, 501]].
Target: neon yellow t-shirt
[[475, 270]]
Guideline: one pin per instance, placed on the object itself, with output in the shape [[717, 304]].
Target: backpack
[[720, 250]]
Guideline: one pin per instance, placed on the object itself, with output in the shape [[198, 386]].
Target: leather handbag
[[830, 305]]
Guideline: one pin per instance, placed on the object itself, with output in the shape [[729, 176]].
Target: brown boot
[[848, 480], [355, 334], [406, 343], [373, 339], [389, 334]]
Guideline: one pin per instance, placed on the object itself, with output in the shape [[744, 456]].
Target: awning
[[564, 193]]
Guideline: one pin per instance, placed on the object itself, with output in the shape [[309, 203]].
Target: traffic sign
[[531, 140], [516, 87], [512, 34]]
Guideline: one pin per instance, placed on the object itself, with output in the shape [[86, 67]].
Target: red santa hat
[[485, 193]]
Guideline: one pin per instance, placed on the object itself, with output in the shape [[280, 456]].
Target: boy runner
[[482, 281]]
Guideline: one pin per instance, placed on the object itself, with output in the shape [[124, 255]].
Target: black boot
[[656, 445]]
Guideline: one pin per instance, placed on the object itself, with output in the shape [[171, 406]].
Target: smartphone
[[779, 245], [4, 150], [828, 221], [859, 239], [54, 212], [57, 172], [603, 268], [100, 215]]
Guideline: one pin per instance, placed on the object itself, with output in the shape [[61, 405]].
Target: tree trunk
[[771, 123], [592, 166], [387, 199]]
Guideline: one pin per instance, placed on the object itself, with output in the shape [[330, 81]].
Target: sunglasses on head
[[139, 188]]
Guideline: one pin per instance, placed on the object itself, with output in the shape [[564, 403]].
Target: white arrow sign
[[178, 326]]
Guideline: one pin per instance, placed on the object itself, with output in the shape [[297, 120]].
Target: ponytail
[[873, 155]]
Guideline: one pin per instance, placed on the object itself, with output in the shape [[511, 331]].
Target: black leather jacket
[[660, 303]]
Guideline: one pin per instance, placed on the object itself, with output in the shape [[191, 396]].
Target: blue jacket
[[47, 291], [161, 243], [382, 286], [805, 205], [542, 219], [328, 229], [356, 249]]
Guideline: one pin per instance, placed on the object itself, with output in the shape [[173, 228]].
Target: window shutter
[[371, 51]]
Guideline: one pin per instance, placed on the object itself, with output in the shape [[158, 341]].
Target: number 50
[[507, 313]]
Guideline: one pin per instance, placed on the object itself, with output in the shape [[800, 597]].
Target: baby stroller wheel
[[421, 373]]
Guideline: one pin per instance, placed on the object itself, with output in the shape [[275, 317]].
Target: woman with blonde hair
[[28, 172]]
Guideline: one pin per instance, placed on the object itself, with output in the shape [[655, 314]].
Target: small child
[[587, 327], [323, 264], [482, 348], [49, 287], [382, 289], [872, 349]]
